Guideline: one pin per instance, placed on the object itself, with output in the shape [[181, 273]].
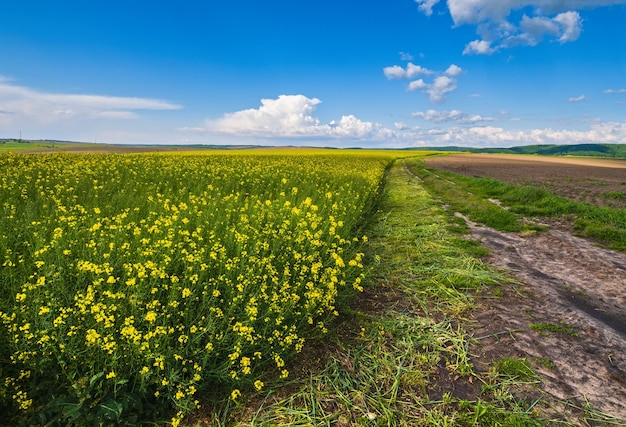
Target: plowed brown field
[[601, 182]]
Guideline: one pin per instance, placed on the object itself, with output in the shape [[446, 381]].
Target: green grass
[[514, 368], [471, 196], [402, 342], [561, 328], [24, 146], [546, 362], [614, 195]]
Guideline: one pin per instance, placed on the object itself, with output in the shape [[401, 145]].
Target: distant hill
[[614, 151]]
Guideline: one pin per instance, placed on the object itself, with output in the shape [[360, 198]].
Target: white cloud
[[557, 20], [439, 88], [615, 91], [477, 11], [480, 47], [31, 105], [406, 56], [115, 115], [571, 26], [285, 116], [291, 116], [454, 70], [426, 6], [417, 85], [533, 31], [411, 71], [577, 99], [394, 72], [455, 116], [485, 136], [40, 114], [436, 90]]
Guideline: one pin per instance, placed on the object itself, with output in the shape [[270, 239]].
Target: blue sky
[[380, 73]]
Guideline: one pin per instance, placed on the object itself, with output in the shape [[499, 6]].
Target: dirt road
[[567, 314]]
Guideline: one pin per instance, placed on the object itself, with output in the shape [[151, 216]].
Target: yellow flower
[[110, 375], [151, 316], [92, 336], [235, 394], [258, 384]]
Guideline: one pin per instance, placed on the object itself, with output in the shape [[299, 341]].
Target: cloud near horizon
[[21, 103], [555, 20], [495, 136], [291, 116], [454, 116]]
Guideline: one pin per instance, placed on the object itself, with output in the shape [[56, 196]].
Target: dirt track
[[576, 287]]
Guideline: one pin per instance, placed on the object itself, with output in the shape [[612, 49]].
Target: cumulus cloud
[[291, 116], [411, 71], [556, 20], [477, 11], [479, 47], [577, 98], [454, 70], [455, 116], [570, 26], [443, 82], [286, 115], [438, 89], [417, 85], [24, 103]]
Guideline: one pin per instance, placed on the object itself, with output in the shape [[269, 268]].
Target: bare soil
[[601, 182], [567, 311]]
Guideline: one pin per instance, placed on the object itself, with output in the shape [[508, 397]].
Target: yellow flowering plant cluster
[[140, 278]]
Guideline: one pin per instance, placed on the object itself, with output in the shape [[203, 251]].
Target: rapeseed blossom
[[154, 274]]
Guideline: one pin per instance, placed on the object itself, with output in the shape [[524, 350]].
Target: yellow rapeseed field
[[140, 278]]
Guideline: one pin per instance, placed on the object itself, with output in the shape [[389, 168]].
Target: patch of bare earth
[[576, 287], [567, 314], [601, 182]]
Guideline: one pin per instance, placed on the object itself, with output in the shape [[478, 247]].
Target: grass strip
[[400, 355]]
